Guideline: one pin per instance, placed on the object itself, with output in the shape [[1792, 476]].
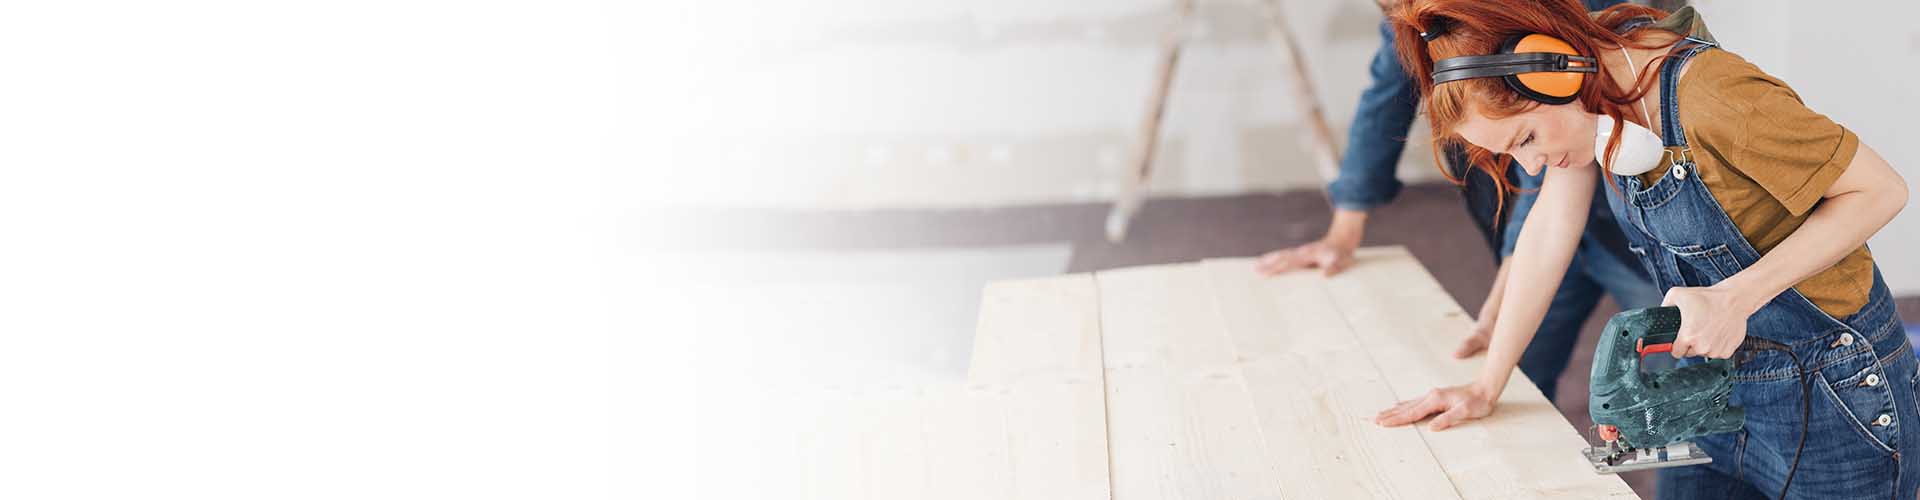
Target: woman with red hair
[[1748, 209]]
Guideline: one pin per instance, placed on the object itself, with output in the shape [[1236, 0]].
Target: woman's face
[[1545, 136]]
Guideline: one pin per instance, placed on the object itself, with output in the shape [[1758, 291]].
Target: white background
[[345, 249], [360, 249]]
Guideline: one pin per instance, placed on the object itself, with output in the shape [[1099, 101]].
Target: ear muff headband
[[1540, 67]]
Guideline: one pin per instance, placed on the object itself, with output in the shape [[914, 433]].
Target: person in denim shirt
[[1367, 179]]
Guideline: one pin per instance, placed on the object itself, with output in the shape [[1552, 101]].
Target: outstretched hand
[[1328, 255], [1454, 405], [1476, 341]]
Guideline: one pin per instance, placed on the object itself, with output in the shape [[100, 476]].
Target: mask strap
[[1677, 171], [1636, 78]]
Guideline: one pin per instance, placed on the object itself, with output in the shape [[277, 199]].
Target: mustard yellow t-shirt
[[1768, 160]]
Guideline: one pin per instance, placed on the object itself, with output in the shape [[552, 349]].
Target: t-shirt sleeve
[[1792, 152]]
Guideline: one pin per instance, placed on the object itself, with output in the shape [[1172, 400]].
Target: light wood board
[[1204, 380]]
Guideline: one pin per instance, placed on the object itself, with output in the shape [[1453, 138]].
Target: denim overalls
[[1860, 369]]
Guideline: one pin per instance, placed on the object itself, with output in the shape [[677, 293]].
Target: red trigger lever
[[1641, 347]]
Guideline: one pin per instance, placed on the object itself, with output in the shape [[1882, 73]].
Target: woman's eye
[[1529, 140]]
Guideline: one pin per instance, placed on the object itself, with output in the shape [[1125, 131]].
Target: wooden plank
[[939, 442], [895, 445], [1037, 348], [967, 446], [1315, 391], [1181, 420], [1029, 423], [838, 465], [1408, 324]]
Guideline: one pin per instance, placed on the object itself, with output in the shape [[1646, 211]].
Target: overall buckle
[[1677, 161]]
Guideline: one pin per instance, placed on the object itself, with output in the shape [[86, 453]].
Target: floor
[[887, 298]]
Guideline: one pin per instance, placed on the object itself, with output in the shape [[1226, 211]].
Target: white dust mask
[[1640, 149]]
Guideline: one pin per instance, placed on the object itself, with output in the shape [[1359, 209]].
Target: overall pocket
[[1703, 266], [1863, 401]]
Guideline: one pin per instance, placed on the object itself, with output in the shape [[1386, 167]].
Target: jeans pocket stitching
[[1690, 254], [1850, 416], [1643, 197]]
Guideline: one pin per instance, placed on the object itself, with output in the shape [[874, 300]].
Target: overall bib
[[1859, 370]]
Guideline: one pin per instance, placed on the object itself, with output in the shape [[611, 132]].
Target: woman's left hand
[[1713, 321], [1455, 405]]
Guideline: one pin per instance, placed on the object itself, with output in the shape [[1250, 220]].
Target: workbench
[[1206, 381]]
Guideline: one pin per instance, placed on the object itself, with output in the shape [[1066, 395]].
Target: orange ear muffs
[[1540, 67], [1550, 85]]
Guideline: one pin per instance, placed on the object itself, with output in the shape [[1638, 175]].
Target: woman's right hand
[[1332, 253], [1329, 255], [1476, 341]]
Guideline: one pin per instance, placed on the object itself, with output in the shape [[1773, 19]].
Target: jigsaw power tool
[[1647, 415]]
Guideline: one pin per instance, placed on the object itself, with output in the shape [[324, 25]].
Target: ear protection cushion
[[1551, 87]]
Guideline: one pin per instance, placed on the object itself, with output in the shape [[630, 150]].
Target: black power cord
[[1806, 404]]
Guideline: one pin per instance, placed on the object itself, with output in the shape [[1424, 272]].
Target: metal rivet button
[[1884, 420], [1846, 339], [1873, 379]]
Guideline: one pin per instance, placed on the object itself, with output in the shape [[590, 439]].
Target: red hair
[[1476, 27]]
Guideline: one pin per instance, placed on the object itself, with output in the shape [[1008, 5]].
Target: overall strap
[[1632, 24], [1670, 131]]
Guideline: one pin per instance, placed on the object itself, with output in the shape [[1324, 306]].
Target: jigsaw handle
[[1616, 360], [1664, 406], [1633, 335]]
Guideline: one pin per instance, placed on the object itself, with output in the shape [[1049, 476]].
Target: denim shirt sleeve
[[1521, 204], [1378, 133]]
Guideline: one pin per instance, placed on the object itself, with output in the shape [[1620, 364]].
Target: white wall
[[1856, 62], [865, 103], [856, 103]]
